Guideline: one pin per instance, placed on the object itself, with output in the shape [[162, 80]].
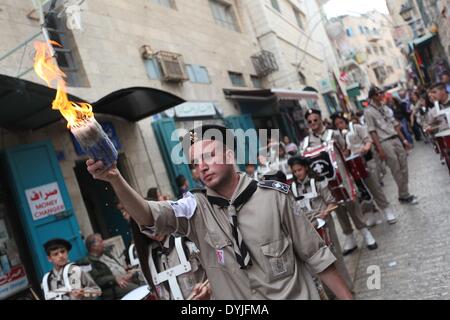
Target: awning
[[423, 40], [269, 94], [137, 103], [25, 105]]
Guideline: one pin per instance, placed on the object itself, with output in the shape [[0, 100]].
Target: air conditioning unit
[[264, 63], [172, 66], [146, 52]]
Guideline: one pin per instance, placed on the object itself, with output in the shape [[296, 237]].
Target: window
[[349, 32], [369, 51], [165, 3], [224, 15], [383, 52], [67, 56], [237, 79], [256, 81], [300, 18], [153, 70], [197, 73], [375, 50], [380, 73], [301, 78], [275, 5]]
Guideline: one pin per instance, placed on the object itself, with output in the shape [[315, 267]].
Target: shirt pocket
[[220, 255], [278, 259]]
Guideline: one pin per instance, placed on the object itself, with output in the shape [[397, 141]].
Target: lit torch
[[79, 116]]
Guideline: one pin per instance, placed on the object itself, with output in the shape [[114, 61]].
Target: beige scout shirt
[[319, 203], [168, 258], [380, 120], [282, 244], [357, 138], [78, 279]]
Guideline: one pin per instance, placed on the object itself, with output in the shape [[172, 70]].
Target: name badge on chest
[[220, 256]]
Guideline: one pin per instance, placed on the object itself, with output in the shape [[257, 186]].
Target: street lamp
[[406, 12]]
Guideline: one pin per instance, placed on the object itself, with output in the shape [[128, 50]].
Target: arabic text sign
[[45, 200], [13, 282]]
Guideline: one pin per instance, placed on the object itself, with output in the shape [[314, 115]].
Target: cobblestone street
[[414, 253]]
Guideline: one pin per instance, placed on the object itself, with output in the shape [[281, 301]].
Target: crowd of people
[[268, 233]]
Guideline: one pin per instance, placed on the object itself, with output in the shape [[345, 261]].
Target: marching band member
[[319, 135], [252, 243], [314, 199], [388, 138], [66, 281], [358, 142]]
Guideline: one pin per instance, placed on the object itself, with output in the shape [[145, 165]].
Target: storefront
[[276, 109], [45, 191], [428, 58]]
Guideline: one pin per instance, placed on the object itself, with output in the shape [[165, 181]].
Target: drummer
[[438, 93], [314, 199], [358, 142], [319, 135]]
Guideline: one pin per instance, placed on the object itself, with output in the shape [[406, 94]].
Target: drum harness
[[67, 287], [304, 200], [328, 135], [170, 275]]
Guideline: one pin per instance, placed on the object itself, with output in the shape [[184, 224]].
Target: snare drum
[[327, 162], [141, 293], [357, 167], [443, 139]]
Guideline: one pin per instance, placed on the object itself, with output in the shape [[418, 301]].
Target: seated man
[[66, 281], [107, 272], [159, 254]]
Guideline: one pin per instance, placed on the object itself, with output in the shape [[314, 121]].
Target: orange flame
[[47, 69]]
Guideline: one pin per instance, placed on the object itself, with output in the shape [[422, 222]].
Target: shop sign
[[13, 281], [195, 109], [45, 200], [325, 86]]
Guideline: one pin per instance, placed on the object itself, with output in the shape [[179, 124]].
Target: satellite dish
[[334, 29]]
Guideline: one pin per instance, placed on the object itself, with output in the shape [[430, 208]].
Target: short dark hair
[[152, 194], [276, 176], [55, 244], [299, 160], [439, 85], [374, 91], [90, 240], [180, 180], [226, 136]]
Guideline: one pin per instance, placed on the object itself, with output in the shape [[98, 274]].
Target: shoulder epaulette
[[275, 185]]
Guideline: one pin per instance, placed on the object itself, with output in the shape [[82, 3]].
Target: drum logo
[[322, 168]]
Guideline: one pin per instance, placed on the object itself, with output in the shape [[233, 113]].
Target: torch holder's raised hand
[[95, 142]]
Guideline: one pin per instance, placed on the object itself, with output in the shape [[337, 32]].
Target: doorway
[[100, 201]]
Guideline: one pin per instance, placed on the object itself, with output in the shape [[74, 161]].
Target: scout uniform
[[351, 208], [57, 284], [378, 120], [356, 138], [164, 259], [252, 246], [312, 197]]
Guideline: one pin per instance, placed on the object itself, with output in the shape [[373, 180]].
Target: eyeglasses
[[313, 121]]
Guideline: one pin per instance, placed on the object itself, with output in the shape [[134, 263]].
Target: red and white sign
[[45, 200], [13, 281]]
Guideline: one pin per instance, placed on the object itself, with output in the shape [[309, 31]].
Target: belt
[[390, 138]]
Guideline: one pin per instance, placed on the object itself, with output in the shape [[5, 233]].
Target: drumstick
[[204, 284], [326, 211]]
